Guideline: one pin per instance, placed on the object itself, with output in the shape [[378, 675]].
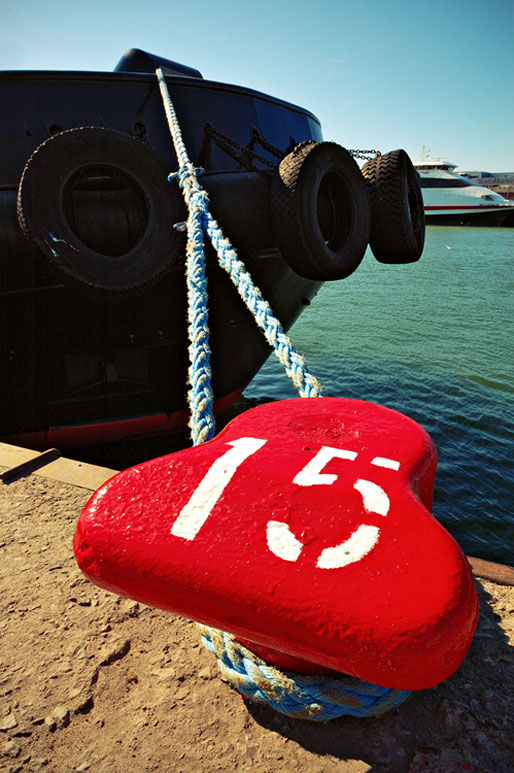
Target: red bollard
[[304, 529]]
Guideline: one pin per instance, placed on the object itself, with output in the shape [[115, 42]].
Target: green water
[[434, 340]]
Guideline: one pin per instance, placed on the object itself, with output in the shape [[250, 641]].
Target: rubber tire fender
[[154, 206], [397, 213], [320, 211]]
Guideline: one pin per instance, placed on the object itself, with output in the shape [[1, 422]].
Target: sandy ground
[[90, 681]]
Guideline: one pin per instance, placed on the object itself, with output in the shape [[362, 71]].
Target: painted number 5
[[282, 542]]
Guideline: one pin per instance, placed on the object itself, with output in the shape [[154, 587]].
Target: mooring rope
[[305, 697], [199, 220], [319, 697]]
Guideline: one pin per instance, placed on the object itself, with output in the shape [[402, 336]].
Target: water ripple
[[433, 340]]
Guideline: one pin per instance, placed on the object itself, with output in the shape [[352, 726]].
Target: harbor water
[[435, 341]]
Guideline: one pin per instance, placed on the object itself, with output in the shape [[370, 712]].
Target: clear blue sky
[[379, 74]]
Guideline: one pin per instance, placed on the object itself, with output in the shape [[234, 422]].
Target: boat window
[[441, 182]]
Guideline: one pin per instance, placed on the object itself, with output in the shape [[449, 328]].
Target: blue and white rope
[[293, 362], [317, 698], [200, 218], [200, 396]]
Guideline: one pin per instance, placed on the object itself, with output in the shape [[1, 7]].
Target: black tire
[[320, 211], [397, 214], [98, 205]]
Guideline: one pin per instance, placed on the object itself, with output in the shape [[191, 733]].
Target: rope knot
[[199, 199]]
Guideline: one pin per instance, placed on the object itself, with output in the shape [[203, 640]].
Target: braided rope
[[200, 396], [293, 362], [318, 698], [310, 697]]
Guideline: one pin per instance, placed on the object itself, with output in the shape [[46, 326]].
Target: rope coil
[[318, 698]]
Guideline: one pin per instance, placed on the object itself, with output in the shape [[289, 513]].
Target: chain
[[244, 155], [364, 154], [255, 137]]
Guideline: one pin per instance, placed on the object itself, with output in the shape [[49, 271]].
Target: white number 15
[[281, 541]]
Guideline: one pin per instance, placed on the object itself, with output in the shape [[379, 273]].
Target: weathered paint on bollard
[[304, 527]]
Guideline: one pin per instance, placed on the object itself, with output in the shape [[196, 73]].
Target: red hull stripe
[[100, 432]]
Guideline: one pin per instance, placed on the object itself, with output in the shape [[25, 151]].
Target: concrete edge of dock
[[60, 469]]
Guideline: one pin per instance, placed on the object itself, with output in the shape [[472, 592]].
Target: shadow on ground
[[460, 725]]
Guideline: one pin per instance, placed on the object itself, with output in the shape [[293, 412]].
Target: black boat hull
[[82, 365]]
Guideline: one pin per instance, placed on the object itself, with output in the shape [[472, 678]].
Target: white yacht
[[450, 198]]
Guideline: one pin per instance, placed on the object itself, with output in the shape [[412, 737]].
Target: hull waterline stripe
[[477, 207], [119, 429]]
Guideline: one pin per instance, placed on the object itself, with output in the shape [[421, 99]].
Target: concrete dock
[[91, 681]]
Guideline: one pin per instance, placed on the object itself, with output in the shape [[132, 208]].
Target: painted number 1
[[193, 516]]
